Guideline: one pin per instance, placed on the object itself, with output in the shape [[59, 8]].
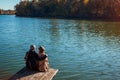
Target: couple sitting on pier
[[36, 61]]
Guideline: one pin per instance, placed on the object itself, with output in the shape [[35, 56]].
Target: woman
[[44, 64]]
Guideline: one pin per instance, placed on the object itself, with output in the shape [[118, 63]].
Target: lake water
[[80, 49]]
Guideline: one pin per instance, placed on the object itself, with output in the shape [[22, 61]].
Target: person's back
[[31, 61], [43, 65], [31, 58]]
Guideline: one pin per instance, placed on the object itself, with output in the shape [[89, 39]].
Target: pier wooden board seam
[[25, 74]]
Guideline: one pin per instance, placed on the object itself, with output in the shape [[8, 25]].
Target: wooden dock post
[[25, 74]]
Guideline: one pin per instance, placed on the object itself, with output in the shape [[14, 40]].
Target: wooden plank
[[25, 74]]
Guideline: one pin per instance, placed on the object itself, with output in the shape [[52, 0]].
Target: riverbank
[[73, 18], [7, 12]]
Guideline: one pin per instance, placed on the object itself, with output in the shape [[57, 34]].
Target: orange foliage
[[86, 2]]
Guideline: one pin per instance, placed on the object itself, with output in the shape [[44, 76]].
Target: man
[[32, 57]]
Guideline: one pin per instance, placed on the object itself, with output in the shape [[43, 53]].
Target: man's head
[[32, 47]]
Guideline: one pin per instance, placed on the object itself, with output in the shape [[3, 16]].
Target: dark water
[[81, 50]]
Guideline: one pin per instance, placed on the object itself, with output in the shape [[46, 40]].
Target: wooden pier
[[25, 74]]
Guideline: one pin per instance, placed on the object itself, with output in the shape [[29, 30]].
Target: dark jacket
[[32, 58]]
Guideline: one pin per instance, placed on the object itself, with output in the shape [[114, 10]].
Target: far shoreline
[[73, 18], [69, 18], [7, 12]]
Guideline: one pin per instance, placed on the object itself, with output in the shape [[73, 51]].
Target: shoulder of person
[[46, 55], [27, 52]]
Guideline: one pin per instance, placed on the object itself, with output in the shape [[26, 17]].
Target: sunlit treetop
[[86, 2]]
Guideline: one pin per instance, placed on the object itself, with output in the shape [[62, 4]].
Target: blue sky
[[8, 4]]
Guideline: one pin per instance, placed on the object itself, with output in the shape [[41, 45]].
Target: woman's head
[[41, 49]]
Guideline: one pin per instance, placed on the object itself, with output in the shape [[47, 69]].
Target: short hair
[[33, 46]]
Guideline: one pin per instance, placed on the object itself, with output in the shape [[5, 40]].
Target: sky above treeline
[[8, 4]]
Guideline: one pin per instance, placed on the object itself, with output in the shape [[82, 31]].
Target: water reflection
[[54, 31]]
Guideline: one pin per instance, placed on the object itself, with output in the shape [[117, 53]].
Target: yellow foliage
[[86, 2]]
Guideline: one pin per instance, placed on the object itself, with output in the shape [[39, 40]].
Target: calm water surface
[[81, 50]]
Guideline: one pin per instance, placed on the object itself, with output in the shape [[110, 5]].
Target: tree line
[[81, 9], [7, 12]]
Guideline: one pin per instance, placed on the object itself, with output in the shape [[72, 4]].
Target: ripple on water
[[86, 50]]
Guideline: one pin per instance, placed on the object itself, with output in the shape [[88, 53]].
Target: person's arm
[[41, 57], [26, 56]]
